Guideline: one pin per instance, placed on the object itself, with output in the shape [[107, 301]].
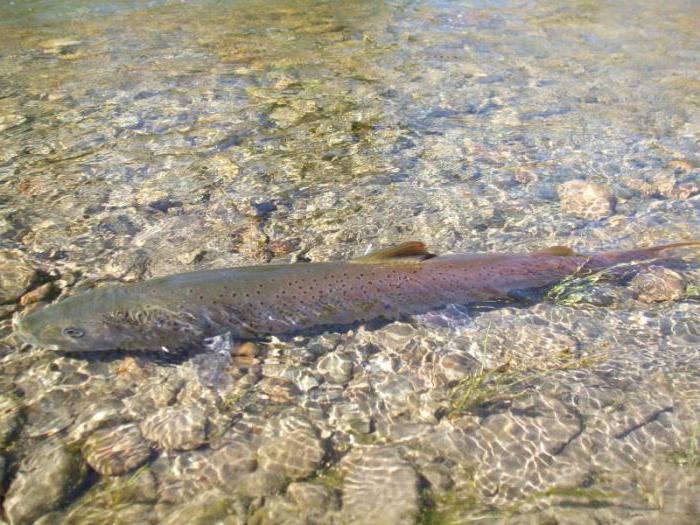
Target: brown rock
[[37, 294], [247, 349]]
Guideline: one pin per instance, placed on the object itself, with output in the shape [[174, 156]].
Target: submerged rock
[[670, 185], [44, 482], [586, 200], [657, 283], [310, 496], [3, 464], [9, 418], [291, 444], [176, 428], [116, 450], [335, 367], [16, 275], [212, 506], [38, 294], [380, 488]]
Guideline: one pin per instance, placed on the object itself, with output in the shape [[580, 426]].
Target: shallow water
[[138, 140]]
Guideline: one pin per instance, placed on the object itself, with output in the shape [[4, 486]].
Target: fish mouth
[[24, 335]]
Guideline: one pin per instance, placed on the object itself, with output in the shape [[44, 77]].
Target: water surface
[[141, 139]]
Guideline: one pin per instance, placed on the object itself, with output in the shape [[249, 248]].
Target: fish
[[178, 311]]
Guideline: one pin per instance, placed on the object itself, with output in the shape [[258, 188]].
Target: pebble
[[59, 45], [380, 487], [291, 444], [278, 390], [667, 184], [310, 495], [7, 310], [686, 189], [148, 196], [221, 167], [259, 483], [176, 428], [165, 393], [680, 165], [52, 413], [289, 115], [247, 349], [336, 367], [656, 283], [10, 120], [452, 367], [45, 481], [3, 464], [525, 176], [438, 476], [98, 416], [586, 200], [37, 294], [9, 418], [116, 450], [212, 506], [16, 275], [282, 247]]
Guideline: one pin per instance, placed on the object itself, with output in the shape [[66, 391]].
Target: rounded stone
[[657, 283], [212, 506], [335, 367], [37, 294], [380, 487], [45, 480], [586, 200], [291, 444], [310, 495], [16, 275], [174, 428], [451, 367], [9, 418], [116, 450]]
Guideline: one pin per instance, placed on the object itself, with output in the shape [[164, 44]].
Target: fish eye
[[75, 333]]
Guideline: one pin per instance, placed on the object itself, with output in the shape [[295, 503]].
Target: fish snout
[[20, 330], [24, 332]]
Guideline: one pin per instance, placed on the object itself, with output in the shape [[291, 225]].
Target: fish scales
[[177, 311]]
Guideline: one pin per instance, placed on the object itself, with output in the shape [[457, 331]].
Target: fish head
[[75, 324]]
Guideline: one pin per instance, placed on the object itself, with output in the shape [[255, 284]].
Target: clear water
[[142, 139]]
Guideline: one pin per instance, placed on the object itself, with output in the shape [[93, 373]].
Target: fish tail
[[603, 260]]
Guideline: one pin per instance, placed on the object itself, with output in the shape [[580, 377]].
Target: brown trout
[[181, 310]]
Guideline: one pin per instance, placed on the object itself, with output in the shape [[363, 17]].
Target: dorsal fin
[[415, 250], [561, 251]]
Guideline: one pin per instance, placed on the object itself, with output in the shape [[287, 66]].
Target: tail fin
[[606, 259]]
